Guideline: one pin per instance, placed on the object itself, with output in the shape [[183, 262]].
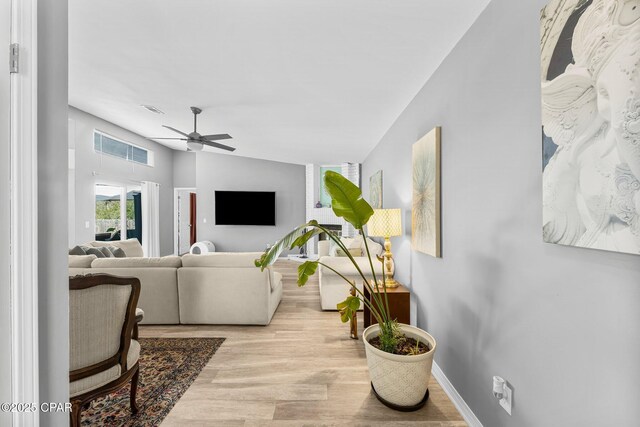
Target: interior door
[[183, 221], [5, 194]]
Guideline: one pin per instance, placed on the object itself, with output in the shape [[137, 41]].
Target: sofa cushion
[[221, 259], [81, 261], [167, 261], [131, 247]]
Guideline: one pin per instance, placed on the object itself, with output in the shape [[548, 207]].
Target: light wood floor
[[301, 370]]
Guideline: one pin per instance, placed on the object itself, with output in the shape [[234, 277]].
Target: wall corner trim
[[455, 397]]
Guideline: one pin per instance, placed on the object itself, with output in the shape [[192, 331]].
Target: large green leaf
[[348, 308], [346, 200], [271, 255], [306, 270], [305, 237]]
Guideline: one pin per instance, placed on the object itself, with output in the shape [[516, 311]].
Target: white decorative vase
[[398, 379]]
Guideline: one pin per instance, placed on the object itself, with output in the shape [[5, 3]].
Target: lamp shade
[[385, 223]]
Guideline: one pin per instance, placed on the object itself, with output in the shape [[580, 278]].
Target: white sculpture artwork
[[590, 53]]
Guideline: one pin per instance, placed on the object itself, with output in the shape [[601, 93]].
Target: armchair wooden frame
[[120, 358]]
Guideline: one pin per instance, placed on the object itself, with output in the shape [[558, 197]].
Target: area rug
[[168, 366]]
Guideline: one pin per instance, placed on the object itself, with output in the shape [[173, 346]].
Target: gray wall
[[560, 324], [53, 283], [5, 290], [117, 171], [225, 172], [184, 169]]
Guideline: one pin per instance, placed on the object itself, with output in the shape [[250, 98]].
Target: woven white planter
[[401, 380]]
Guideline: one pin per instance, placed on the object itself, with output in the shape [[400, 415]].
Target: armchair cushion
[[96, 381]]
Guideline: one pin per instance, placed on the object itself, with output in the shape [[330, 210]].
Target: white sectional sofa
[[227, 288], [333, 288], [158, 280], [216, 288]]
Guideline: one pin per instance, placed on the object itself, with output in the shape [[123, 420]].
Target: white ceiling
[[291, 80]]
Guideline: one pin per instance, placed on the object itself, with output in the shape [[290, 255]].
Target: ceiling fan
[[195, 141]]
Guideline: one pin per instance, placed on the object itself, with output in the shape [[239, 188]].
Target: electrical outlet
[[87, 224], [506, 400]]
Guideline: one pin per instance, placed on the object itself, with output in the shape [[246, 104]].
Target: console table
[[399, 305]]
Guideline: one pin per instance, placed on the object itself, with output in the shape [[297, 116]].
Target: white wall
[[5, 290], [561, 324], [225, 172], [110, 169], [53, 282]]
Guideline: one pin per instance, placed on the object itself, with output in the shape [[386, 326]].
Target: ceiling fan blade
[[176, 130], [175, 139], [217, 137], [216, 145]]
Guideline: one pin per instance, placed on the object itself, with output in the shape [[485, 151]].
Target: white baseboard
[[455, 397]]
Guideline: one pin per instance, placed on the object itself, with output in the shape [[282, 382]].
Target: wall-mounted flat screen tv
[[245, 207]]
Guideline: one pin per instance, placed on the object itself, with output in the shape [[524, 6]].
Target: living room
[[338, 213]]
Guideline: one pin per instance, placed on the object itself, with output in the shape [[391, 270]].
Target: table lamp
[[386, 223]]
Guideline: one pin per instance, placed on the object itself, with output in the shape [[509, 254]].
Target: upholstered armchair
[[103, 355]]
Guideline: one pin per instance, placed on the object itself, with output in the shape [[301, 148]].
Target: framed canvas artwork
[[590, 85], [375, 190], [425, 212]]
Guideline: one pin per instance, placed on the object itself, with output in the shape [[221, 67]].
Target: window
[[106, 144], [118, 208]]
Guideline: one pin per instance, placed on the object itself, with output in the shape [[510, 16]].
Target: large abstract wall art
[[375, 190], [425, 212]]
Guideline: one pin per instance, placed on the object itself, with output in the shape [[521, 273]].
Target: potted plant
[[399, 356]]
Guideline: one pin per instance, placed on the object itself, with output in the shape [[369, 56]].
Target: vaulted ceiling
[[297, 81]]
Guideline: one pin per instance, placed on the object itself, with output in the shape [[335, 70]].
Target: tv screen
[[245, 207]]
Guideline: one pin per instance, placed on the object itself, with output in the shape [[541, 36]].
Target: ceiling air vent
[[152, 109]]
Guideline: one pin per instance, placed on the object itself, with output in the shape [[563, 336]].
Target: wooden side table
[[399, 305]]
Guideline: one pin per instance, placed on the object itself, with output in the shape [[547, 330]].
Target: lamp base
[[390, 283]]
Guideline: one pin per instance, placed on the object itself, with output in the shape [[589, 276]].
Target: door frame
[[23, 142], [176, 225]]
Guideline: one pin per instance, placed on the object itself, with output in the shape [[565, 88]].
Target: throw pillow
[[355, 252], [116, 252], [107, 253], [77, 250], [95, 251], [348, 242]]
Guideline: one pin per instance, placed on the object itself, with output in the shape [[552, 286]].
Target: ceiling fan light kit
[[195, 141]]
